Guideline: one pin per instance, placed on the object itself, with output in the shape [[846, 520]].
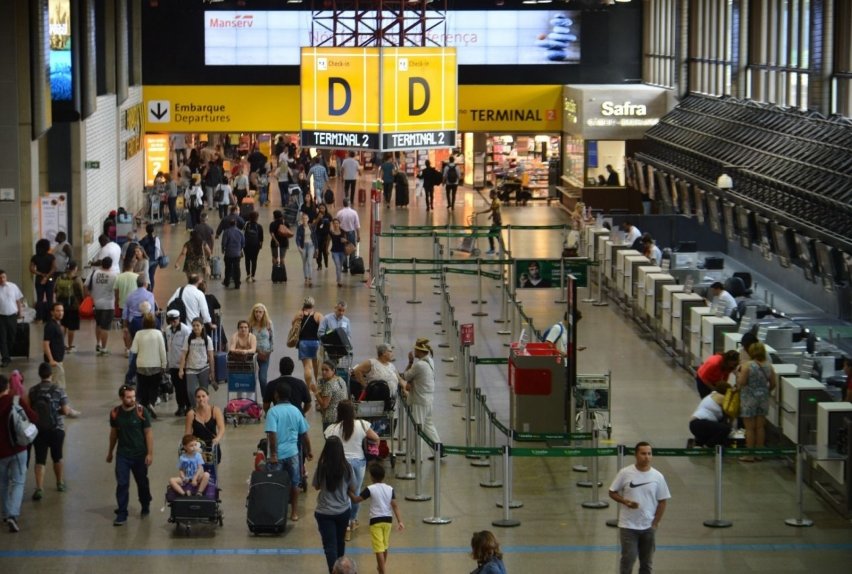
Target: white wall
[[119, 181]]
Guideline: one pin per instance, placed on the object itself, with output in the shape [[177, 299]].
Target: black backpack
[[41, 399], [178, 305], [452, 174], [252, 233], [328, 196], [378, 390], [149, 244]]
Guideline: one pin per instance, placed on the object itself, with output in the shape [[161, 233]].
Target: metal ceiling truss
[[379, 23]]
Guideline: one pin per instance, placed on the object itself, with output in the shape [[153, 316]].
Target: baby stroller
[[203, 509]]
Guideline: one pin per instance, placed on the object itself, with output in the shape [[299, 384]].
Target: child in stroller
[[192, 477]]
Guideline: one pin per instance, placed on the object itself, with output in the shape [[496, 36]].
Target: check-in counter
[[712, 334], [612, 262], [682, 304], [632, 263], [620, 263], [595, 236], [654, 284], [830, 417], [639, 283], [693, 331], [798, 401], [666, 306]]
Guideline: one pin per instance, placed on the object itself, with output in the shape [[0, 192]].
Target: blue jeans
[[13, 476], [332, 529], [152, 270], [307, 261], [338, 257], [262, 375], [123, 468], [637, 543], [359, 465]]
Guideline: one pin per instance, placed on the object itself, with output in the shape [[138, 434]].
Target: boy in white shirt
[[383, 508]]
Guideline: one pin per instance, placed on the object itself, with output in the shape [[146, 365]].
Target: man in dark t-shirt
[[299, 395], [130, 430], [53, 344]]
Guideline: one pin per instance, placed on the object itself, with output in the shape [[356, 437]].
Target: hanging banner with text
[[379, 98], [156, 156]]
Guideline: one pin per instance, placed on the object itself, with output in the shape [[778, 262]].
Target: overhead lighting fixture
[[725, 182]]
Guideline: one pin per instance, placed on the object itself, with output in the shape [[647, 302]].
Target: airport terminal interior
[[738, 168]]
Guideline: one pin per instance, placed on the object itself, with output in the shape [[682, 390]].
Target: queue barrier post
[[562, 298], [451, 319], [479, 300], [447, 318], [600, 302], [613, 522], [509, 238], [507, 521], [465, 388], [595, 502], [800, 521], [480, 460], [436, 255], [400, 429], [414, 300], [388, 323], [513, 322], [410, 439], [718, 521], [580, 467], [419, 495], [436, 517], [508, 495], [393, 251], [492, 481]]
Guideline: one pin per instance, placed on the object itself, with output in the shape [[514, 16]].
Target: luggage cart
[[469, 244], [242, 404], [155, 205], [380, 415], [205, 509], [592, 396], [294, 204]]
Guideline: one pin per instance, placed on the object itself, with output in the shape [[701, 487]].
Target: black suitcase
[[266, 504], [21, 346], [279, 271], [401, 186], [186, 509], [356, 265]]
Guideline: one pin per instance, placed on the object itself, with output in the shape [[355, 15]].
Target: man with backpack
[[50, 403], [451, 182], [151, 244], [130, 431], [13, 457]]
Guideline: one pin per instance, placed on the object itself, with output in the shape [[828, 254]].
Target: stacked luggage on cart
[[242, 406]]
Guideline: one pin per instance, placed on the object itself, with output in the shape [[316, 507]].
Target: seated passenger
[[708, 423], [192, 477]]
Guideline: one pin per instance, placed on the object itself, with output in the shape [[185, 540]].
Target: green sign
[[92, 165], [471, 450], [563, 452], [492, 361], [540, 437]]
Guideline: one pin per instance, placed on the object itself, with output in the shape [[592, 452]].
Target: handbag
[[731, 404], [163, 261], [371, 449], [349, 249], [262, 356], [293, 335]]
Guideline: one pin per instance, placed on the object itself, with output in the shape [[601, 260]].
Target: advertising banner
[[156, 156], [340, 97], [510, 109], [544, 273]]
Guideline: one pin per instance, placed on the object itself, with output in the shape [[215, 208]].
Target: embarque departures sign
[[379, 98]]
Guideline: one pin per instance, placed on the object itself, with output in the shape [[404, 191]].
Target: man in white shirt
[[644, 493], [195, 302], [630, 231], [11, 307], [351, 170], [722, 299], [108, 249], [101, 286], [351, 225], [338, 319], [651, 250]]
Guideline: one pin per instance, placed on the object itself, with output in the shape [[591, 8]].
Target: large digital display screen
[[481, 37], [61, 77]]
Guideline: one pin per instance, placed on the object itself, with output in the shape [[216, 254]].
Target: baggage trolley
[[592, 399], [380, 415], [155, 206], [184, 511], [291, 210], [469, 244], [242, 404]]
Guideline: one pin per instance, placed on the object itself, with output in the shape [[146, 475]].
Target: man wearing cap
[[418, 382], [176, 335]]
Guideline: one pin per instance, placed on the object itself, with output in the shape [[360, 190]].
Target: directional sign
[[466, 334], [159, 111], [340, 97]]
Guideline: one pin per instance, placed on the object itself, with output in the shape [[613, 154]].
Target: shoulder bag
[[371, 449], [731, 404]]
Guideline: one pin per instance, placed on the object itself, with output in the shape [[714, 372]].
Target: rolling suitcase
[[216, 267], [356, 265], [220, 357], [266, 503], [401, 187], [21, 346], [279, 271], [246, 207], [362, 196]]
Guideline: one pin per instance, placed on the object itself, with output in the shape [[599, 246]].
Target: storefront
[[511, 132], [603, 125]]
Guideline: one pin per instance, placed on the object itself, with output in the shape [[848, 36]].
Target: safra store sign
[[612, 112]]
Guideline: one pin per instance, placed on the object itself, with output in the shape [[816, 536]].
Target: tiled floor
[[652, 400]]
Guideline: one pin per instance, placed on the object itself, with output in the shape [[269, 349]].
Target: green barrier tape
[[392, 234], [471, 450], [460, 271], [563, 452], [492, 361], [520, 227], [539, 437], [756, 451], [488, 275], [535, 227], [687, 452], [409, 271], [503, 429], [429, 442]]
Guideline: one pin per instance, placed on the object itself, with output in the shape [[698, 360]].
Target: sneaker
[[38, 494], [61, 487], [119, 521], [13, 524], [146, 511], [490, 252], [348, 534], [74, 414]]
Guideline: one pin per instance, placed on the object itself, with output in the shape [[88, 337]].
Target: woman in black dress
[[206, 422], [322, 223]]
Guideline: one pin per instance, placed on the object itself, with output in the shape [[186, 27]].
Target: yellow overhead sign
[[418, 98], [502, 109], [193, 109], [340, 97]]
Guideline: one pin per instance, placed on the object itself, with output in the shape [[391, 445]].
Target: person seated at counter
[[602, 180], [650, 249], [722, 299], [708, 424], [632, 235]]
